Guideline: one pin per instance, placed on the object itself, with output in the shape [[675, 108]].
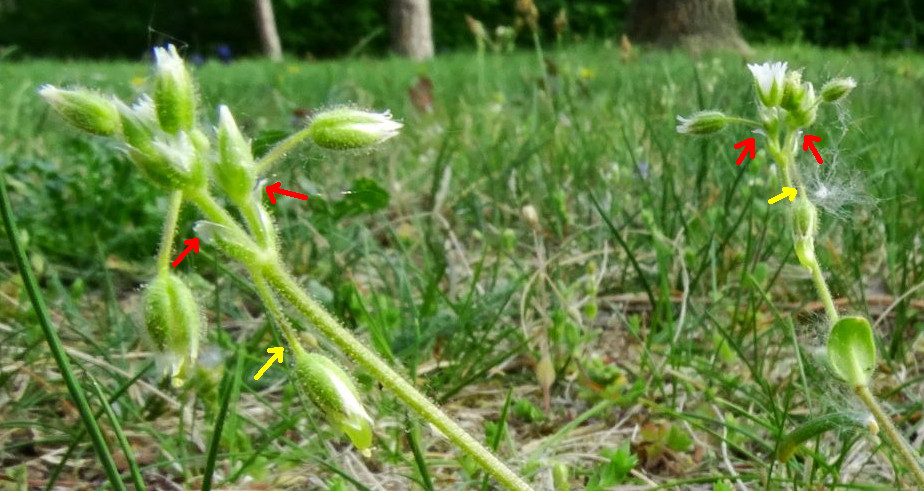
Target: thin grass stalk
[[54, 342]]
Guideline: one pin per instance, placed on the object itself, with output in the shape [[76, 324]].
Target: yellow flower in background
[[585, 73], [137, 82]]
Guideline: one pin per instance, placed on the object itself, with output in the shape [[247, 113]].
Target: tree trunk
[[695, 25], [266, 25], [411, 28]]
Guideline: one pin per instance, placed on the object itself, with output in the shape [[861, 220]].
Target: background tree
[[266, 26], [410, 28], [691, 24]]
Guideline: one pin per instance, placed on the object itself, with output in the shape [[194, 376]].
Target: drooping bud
[[229, 241], [769, 79], [347, 129], [804, 226], [837, 89], [332, 391], [702, 123], [804, 218], [805, 252], [174, 91], [84, 109], [234, 169], [173, 322]]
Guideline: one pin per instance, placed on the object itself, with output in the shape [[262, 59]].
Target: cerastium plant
[[163, 136], [785, 107]]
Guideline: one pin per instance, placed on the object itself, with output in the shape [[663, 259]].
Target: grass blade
[[54, 342], [228, 388], [137, 480]]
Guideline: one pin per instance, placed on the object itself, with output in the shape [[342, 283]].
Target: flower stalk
[[162, 137], [786, 106]]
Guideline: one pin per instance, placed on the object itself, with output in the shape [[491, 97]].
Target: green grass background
[[681, 328]]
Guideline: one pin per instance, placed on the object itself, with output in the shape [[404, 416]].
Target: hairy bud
[[347, 129], [234, 169], [174, 91], [83, 109], [702, 123], [173, 322], [332, 391], [837, 89]]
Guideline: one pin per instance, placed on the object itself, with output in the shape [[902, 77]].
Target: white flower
[[770, 79]]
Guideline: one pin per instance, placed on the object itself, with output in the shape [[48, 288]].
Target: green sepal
[[852, 350]]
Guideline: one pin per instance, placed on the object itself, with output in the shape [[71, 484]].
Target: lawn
[[539, 210]]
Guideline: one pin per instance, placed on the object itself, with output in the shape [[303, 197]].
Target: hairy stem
[[331, 328], [279, 151], [276, 275], [269, 299], [891, 433], [787, 163], [169, 233]]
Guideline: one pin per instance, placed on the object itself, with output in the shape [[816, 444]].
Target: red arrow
[[193, 245], [277, 188], [808, 143], [748, 144]]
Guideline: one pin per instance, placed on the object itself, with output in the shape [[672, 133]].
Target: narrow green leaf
[[852, 350], [137, 480], [54, 342], [815, 427]]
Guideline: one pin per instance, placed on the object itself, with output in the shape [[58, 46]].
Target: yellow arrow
[[277, 353], [787, 193]]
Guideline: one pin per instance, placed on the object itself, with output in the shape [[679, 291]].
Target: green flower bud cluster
[[777, 87], [173, 322]]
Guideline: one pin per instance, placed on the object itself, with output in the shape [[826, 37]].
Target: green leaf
[[852, 350], [816, 426], [614, 472]]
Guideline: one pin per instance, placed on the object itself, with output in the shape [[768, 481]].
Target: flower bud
[[174, 91], [837, 89], [804, 115], [173, 322], [804, 218], [793, 91], [234, 169], [171, 162], [702, 123], [769, 79], [139, 122], [805, 251], [347, 129], [84, 109], [332, 391], [229, 241]]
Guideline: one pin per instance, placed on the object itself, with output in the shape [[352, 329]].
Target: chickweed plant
[[786, 107], [163, 135]]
